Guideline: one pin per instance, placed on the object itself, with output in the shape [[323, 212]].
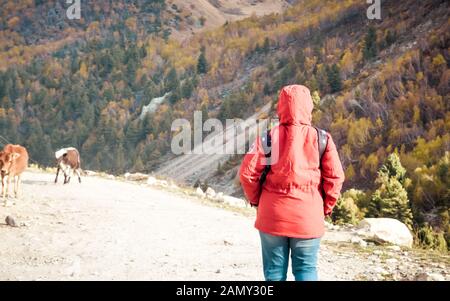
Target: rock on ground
[[386, 230], [10, 221]]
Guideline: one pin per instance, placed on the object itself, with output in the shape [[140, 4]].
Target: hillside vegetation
[[384, 88]]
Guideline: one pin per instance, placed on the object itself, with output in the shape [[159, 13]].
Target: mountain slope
[[34, 28], [215, 13]]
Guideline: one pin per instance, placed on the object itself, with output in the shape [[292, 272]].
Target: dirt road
[[112, 230]]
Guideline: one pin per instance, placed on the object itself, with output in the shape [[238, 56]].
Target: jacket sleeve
[[332, 176], [250, 172]]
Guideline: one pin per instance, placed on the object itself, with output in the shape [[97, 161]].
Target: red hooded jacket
[[290, 202]]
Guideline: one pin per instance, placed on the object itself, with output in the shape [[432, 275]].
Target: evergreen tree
[[187, 88], [202, 64], [106, 64], [266, 45], [133, 134], [138, 165], [300, 58], [393, 168], [391, 199], [119, 159], [258, 48], [171, 82], [267, 89], [322, 76], [334, 78], [175, 96], [370, 44], [390, 37]]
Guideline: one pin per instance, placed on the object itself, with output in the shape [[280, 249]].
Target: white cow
[[68, 160]]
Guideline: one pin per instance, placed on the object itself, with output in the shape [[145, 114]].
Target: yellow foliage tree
[[84, 70]]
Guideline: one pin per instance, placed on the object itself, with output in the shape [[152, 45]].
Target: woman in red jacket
[[299, 189]]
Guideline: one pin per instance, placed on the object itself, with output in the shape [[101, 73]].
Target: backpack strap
[[322, 139], [267, 146]]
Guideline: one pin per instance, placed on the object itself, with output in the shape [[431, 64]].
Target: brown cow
[[68, 160], [13, 162]]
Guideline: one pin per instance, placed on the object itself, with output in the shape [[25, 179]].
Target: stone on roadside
[[387, 230], [152, 181], [10, 221], [90, 173], [199, 192], [210, 193], [219, 197]]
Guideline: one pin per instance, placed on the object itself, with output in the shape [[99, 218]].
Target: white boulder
[[199, 192], [90, 173], [387, 230], [210, 193], [152, 181], [219, 197]]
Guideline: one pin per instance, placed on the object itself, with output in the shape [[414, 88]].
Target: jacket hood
[[295, 105]]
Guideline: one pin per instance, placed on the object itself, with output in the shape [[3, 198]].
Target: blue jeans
[[275, 253]]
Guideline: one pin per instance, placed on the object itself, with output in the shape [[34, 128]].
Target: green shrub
[[360, 198], [346, 211], [429, 239]]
